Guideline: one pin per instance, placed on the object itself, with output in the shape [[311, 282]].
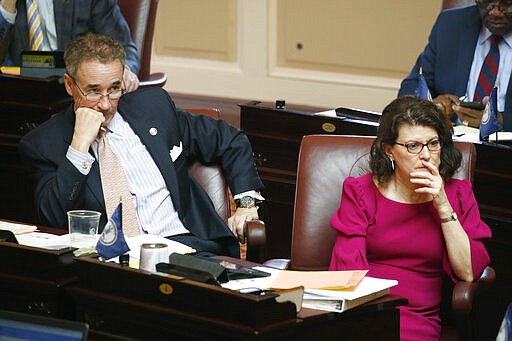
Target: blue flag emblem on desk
[[490, 123], [112, 243], [422, 88]]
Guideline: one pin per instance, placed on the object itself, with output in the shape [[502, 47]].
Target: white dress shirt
[[154, 207]]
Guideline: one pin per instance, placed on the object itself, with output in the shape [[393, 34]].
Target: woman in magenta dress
[[409, 220]]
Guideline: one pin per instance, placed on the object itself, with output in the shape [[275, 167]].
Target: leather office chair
[[210, 177], [324, 163], [457, 3], [141, 16]]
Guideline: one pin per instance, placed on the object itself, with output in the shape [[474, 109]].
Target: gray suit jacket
[[71, 19]]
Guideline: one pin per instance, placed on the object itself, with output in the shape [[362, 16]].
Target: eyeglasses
[[487, 5], [414, 147], [95, 97]]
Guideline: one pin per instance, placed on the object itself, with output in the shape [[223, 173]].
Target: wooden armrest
[[464, 292], [154, 79], [256, 240]]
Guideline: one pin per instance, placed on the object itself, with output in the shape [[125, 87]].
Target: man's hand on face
[[87, 125]]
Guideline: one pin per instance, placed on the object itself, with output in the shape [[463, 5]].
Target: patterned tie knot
[[495, 40]]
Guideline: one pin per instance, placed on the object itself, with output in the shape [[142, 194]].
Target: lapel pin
[[153, 131]]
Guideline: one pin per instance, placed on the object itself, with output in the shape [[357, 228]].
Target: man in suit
[[61, 21], [152, 139], [455, 53]]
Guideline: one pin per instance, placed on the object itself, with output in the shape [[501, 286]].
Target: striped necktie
[[35, 28], [115, 186], [489, 71]]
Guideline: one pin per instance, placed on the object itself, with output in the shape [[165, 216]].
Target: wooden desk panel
[[25, 103], [119, 301], [123, 303], [33, 280]]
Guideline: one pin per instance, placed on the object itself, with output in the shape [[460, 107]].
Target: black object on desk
[[7, 236], [207, 270]]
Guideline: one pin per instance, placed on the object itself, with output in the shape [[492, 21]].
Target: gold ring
[[465, 122]]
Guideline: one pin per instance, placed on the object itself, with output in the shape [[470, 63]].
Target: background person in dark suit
[[152, 140], [453, 57], [63, 20]]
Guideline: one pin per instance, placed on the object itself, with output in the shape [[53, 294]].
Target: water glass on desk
[[83, 228]]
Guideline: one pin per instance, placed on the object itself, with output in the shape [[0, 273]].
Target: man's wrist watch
[[246, 202], [451, 217]]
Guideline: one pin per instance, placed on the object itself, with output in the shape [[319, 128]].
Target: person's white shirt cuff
[[251, 193], [82, 162], [8, 16]]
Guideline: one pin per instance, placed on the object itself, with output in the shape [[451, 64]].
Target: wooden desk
[[276, 135], [25, 103], [121, 302], [33, 280]]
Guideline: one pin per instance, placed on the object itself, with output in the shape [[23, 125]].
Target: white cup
[[151, 254], [83, 228]]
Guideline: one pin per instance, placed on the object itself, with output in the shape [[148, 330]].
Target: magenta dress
[[405, 242]]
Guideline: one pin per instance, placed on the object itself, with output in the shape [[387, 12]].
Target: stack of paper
[[16, 228], [340, 300], [324, 290]]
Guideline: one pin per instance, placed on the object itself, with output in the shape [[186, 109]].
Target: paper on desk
[[318, 279], [285, 279], [44, 240], [367, 286], [468, 134], [135, 242], [16, 228]]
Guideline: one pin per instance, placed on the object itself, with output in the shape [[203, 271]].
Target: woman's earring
[[392, 164]]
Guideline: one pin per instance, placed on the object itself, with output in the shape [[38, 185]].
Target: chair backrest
[[140, 16], [324, 163], [457, 3], [210, 177]]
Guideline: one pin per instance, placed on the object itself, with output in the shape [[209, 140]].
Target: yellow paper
[[318, 279], [10, 70]]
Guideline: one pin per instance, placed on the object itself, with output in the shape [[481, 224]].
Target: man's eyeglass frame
[[100, 96]]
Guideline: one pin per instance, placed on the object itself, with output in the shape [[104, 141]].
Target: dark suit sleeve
[[6, 32], [425, 61], [211, 140], [58, 184], [108, 20]]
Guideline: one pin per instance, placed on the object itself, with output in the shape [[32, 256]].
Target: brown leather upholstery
[[141, 16], [324, 163], [210, 177], [457, 3]]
